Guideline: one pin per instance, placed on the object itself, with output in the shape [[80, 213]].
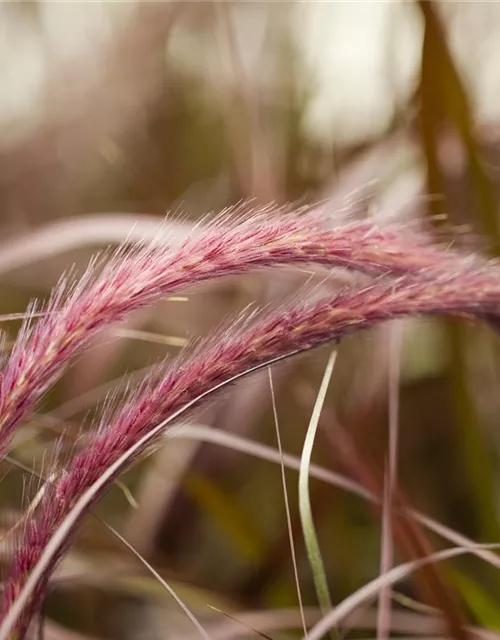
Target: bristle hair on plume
[[412, 277]]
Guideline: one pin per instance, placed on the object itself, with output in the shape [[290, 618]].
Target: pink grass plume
[[233, 243], [249, 343]]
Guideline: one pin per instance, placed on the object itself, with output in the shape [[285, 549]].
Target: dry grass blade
[[244, 624], [287, 505], [306, 517], [370, 590], [148, 336], [158, 577], [100, 229], [387, 545]]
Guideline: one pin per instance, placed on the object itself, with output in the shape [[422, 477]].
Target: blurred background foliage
[[115, 113]]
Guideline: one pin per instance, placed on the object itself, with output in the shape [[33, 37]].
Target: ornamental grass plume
[[248, 343], [232, 243]]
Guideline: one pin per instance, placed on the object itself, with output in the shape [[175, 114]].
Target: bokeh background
[[115, 114]]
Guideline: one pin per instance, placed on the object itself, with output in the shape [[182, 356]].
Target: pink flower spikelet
[[133, 279], [300, 326]]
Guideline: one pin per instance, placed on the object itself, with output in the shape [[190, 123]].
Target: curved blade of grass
[[163, 582], [387, 544], [287, 505], [96, 229], [371, 589], [306, 519]]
